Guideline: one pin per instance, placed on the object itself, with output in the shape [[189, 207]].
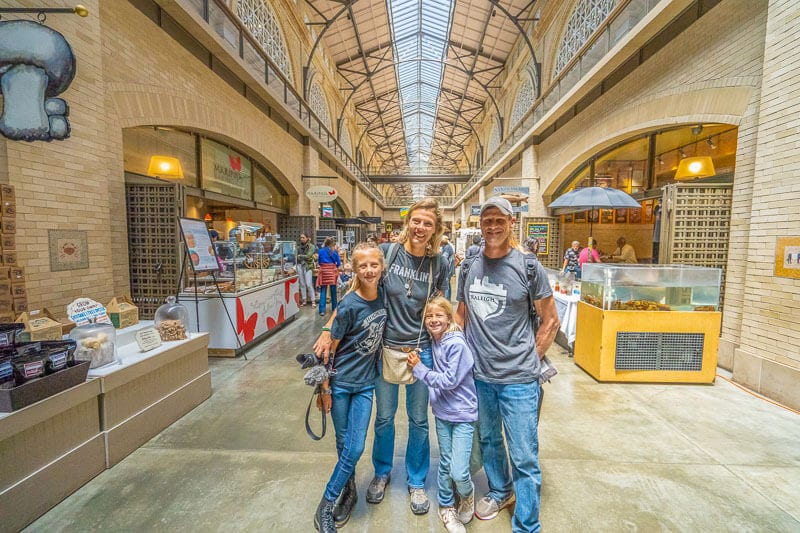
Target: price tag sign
[[147, 339], [84, 311]]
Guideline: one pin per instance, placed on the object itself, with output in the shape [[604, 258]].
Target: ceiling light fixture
[[695, 167], [711, 144], [163, 166]]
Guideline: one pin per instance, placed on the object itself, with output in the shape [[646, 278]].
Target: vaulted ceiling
[[420, 74]]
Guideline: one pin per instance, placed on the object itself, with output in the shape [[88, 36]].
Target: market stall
[[255, 291], [649, 323]]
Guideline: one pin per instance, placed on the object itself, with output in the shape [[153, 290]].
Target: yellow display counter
[[647, 346]]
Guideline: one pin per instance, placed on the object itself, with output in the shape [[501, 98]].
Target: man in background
[[624, 252]]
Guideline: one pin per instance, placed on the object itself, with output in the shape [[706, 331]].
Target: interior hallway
[[615, 458]]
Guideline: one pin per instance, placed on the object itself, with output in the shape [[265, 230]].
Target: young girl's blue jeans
[[350, 412], [455, 447]]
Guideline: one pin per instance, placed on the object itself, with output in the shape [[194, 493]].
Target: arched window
[[494, 139], [319, 105], [523, 101], [344, 140], [586, 18], [259, 18]]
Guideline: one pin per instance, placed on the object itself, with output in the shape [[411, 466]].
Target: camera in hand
[[307, 360]]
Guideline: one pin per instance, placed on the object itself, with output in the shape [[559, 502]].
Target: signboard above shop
[[512, 190], [226, 171], [321, 193], [474, 210]]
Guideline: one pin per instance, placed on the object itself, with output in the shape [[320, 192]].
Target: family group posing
[[478, 365]]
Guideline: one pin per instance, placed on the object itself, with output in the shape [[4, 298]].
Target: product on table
[[171, 330], [27, 367], [98, 349], [6, 373]]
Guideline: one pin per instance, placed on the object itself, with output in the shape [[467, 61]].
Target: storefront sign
[[327, 211], [321, 193], [388, 226], [226, 171], [512, 190], [84, 311], [198, 245], [474, 210], [541, 232], [403, 212]]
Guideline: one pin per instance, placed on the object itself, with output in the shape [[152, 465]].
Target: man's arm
[[546, 310], [461, 314]]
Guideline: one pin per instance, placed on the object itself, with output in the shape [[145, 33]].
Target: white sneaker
[[466, 508], [450, 520]]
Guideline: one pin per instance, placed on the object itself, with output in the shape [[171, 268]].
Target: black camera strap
[[310, 432]]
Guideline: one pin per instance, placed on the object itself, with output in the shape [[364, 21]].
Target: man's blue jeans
[[324, 296], [350, 412], [455, 447], [418, 447], [514, 408]]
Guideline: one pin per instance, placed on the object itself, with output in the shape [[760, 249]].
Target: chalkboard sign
[[541, 232]]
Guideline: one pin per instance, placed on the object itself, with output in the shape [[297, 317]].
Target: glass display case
[[244, 266], [651, 287]]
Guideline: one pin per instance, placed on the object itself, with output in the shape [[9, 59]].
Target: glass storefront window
[[226, 171], [266, 190], [144, 143], [623, 168]]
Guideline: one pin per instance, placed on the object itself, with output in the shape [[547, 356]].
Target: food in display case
[[171, 319], [245, 265], [95, 343], [651, 287]]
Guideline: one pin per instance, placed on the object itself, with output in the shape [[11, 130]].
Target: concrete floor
[[615, 458]]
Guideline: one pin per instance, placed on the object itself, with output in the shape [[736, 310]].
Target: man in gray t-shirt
[[494, 310]]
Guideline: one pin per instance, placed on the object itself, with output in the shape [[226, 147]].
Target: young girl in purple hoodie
[[455, 405]]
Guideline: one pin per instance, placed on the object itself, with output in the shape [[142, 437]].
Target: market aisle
[[615, 458]]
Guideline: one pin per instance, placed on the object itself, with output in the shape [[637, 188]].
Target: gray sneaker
[[419, 501], [377, 488], [466, 508], [488, 508]]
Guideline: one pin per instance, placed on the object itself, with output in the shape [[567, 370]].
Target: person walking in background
[[475, 247], [329, 264], [571, 260], [448, 255], [305, 269], [589, 255], [455, 406], [356, 336], [532, 245], [494, 300], [414, 272]]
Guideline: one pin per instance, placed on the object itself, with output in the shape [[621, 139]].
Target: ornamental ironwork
[[260, 20], [587, 16]]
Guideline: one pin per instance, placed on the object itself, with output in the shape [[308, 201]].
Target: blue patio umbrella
[[590, 198]]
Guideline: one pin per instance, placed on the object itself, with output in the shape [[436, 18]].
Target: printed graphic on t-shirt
[[486, 299], [409, 273], [373, 327]]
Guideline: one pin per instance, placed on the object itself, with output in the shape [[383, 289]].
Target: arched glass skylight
[[494, 139], [522, 102], [258, 17], [419, 34], [585, 19], [318, 104], [344, 140]]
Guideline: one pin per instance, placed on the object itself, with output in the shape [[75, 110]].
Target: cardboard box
[[8, 225], [9, 208], [20, 305], [18, 291], [16, 273], [44, 387], [5, 272], [122, 312], [8, 241], [7, 192], [9, 257], [40, 325], [6, 317], [5, 286]]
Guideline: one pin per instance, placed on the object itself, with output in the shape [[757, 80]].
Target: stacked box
[[13, 296]]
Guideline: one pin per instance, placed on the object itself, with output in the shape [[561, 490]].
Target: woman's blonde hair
[[428, 204], [355, 258], [445, 305]]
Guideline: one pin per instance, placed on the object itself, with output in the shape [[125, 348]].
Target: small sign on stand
[[148, 339]]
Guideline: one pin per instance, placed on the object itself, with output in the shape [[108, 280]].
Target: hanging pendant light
[[165, 167], [695, 167]]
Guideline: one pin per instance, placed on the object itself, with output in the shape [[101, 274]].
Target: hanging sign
[[511, 190], [84, 311], [403, 212], [474, 210], [321, 193], [327, 211]]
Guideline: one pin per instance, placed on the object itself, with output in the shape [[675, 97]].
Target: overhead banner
[[226, 171]]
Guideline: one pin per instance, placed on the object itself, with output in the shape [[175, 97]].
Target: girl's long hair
[[429, 204], [362, 248], [445, 305]]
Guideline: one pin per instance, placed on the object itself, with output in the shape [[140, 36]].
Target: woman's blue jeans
[[418, 447], [323, 296], [513, 408], [350, 412], [455, 447]]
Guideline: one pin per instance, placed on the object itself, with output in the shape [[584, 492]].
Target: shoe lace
[[327, 521], [418, 495], [449, 515]]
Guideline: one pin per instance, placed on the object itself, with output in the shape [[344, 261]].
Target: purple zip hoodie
[[450, 382]]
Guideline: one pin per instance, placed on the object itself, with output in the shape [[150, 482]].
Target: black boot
[[347, 500], [323, 519]]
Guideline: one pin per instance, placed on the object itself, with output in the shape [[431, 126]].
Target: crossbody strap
[[310, 432], [428, 297]]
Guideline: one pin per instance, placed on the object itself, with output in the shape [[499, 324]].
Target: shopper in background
[[371, 240], [624, 252], [412, 275], [394, 236], [305, 268], [494, 305], [572, 260], [356, 335], [532, 245], [448, 255], [329, 264], [455, 406], [344, 278], [589, 255], [475, 247]]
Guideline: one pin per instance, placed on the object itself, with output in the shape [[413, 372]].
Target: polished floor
[[615, 457]]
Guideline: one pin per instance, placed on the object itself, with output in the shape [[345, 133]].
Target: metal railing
[[223, 22]]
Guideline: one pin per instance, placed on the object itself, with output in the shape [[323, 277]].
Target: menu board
[[198, 242], [541, 232]]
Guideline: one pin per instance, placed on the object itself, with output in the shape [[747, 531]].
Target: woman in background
[[329, 264]]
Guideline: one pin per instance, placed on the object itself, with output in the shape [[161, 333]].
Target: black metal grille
[[659, 351]]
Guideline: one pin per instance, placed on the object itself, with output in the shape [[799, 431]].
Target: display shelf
[[49, 450]]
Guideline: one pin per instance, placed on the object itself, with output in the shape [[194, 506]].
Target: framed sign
[[648, 212], [787, 257], [198, 243], [606, 216], [620, 216], [634, 216], [579, 218], [541, 232], [568, 218]]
